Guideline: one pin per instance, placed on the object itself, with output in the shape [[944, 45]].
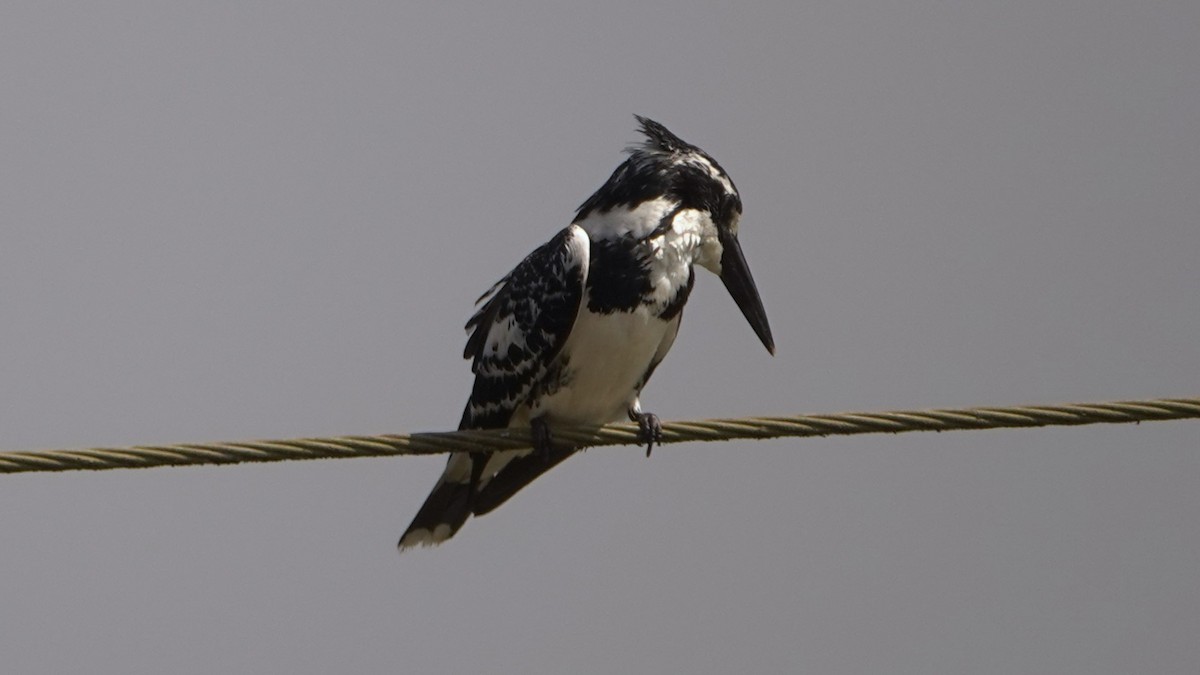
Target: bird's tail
[[447, 506], [498, 476]]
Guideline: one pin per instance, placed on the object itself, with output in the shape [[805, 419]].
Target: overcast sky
[[232, 220]]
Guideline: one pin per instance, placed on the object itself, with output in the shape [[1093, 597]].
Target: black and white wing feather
[[515, 339], [519, 331]]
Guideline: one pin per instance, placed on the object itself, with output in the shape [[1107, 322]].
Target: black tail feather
[[515, 475], [444, 512], [453, 501]]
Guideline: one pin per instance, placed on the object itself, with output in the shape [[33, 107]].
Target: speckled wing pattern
[[519, 331]]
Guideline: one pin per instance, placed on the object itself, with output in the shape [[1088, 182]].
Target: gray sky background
[[234, 220]]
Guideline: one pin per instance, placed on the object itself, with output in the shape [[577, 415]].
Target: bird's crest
[[659, 139]]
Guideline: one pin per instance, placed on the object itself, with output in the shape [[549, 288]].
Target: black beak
[[736, 275]]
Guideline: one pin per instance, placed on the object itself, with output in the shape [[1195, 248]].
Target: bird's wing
[[521, 328], [514, 340]]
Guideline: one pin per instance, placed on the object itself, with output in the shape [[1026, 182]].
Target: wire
[[491, 440]]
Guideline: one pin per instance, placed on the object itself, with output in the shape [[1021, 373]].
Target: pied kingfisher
[[571, 335]]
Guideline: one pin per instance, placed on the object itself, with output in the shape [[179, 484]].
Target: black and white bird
[[573, 333]]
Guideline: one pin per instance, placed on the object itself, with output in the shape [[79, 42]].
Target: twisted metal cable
[[843, 424]]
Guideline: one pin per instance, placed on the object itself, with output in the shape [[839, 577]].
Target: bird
[[572, 334]]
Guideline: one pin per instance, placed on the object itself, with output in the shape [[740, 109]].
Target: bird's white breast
[[605, 358], [607, 354]]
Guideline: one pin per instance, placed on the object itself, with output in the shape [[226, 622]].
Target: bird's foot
[[649, 429], [542, 442]]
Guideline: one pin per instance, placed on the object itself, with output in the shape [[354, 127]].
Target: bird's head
[[681, 181]]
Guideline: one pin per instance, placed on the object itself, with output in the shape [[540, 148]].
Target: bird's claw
[[650, 429]]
